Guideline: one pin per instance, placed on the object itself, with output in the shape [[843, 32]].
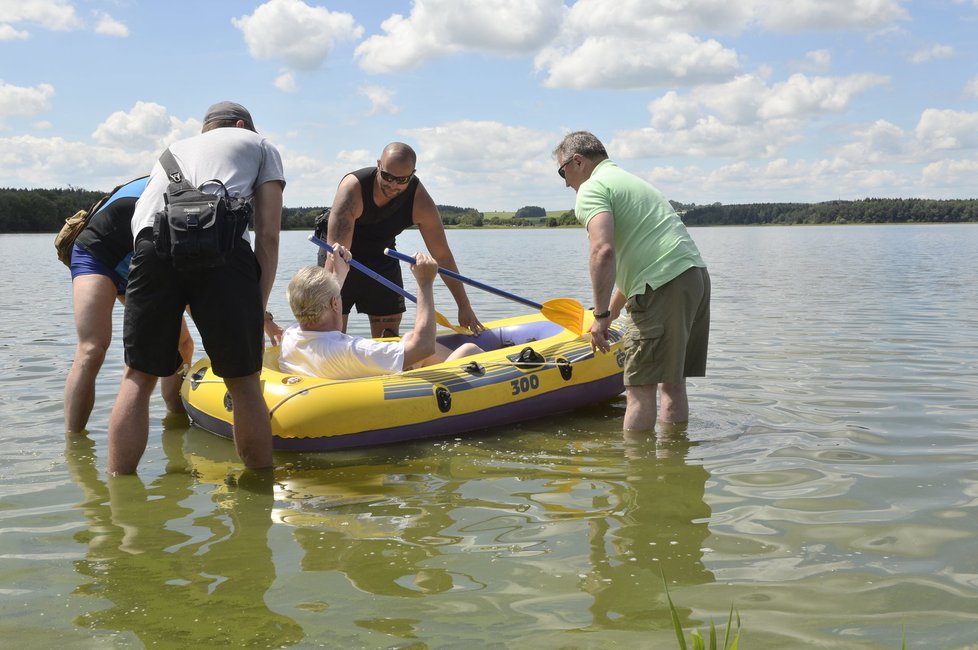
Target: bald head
[[400, 154]]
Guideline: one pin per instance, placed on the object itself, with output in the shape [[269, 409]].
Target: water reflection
[[657, 532], [176, 573], [403, 539]]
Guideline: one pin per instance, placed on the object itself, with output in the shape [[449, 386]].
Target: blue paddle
[[566, 312], [396, 288]]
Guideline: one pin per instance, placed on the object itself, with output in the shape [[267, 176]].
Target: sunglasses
[[391, 178], [560, 170]]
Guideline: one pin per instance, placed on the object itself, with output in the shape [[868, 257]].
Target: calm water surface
[[827, 485]]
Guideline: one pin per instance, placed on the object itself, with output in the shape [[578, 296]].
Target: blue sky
[[710, 100]]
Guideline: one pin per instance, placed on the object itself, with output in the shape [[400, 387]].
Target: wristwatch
[[604, 314], [268, 315]]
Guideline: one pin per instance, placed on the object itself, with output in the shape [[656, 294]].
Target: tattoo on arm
[[341, 228]]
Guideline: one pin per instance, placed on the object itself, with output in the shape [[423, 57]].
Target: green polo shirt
[[652, 245]]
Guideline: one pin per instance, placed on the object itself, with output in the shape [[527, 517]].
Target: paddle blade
[[566, 312], [444, 322]]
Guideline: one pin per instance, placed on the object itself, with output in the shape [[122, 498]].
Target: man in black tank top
[[372, 206]]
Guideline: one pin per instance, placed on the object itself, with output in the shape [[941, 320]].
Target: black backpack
[[197, 229]]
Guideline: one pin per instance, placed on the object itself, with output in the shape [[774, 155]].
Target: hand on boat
[[467, 318]]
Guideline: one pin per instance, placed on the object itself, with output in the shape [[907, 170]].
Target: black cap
[[229, 111]]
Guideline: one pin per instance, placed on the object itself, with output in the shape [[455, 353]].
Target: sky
[[730, 101]]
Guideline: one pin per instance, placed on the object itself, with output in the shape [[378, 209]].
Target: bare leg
[[93, 296], [675, 404], [464, 350], [170, 386], [639, 408], [129, 422], [444, 353], [252, 424], [389, 322]]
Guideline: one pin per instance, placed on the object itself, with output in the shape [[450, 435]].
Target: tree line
[[44, 210], [869, 210]]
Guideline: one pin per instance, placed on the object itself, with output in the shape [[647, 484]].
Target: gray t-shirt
[[239, 158]]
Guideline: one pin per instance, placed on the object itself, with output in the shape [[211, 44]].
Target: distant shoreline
[[44, 211]]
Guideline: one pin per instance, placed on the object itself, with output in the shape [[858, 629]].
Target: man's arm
[[601, 264], [339, 259], [421, 344], [426, 217], [347, 208], [268, 225]]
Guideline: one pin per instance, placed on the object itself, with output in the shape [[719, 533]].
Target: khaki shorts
[[668, 331]]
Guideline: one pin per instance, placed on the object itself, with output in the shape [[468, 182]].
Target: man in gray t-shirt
[[227, 302]]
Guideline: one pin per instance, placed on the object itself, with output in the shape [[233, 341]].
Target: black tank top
[[377, 227]]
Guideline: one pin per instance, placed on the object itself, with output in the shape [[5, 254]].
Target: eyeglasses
[[391, 178], [560, 170]]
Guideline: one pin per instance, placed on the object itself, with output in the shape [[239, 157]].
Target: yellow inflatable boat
[[531, 368]]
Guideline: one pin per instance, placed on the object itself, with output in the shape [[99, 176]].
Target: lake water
[[826, 487]]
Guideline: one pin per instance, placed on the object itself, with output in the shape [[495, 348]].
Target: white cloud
[[801, 180], [971, 88], [490, 145], [109, 26], [311, 182], [707, 137], [147, 127], [742, 118], [21, 101], [486, 163], [932, 53], [659, 43], [809, 15], [55, 162], [300, 35], [8, 33], [439, 27], [381, 100], [285, 82], [945, 130], [880, 142], [801, 96], [816, 61], [360, 157], [952, 175], [55, 15], [615, 62], [636, 19]]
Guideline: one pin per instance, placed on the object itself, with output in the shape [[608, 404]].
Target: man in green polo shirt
[[640, 245]]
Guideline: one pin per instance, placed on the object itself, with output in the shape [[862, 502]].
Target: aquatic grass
[[695, 637], [700, 644]]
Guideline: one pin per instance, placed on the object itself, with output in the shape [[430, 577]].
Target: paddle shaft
[[396, 288], [461, 278]]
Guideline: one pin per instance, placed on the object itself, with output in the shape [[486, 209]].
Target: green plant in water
[[695, 637]]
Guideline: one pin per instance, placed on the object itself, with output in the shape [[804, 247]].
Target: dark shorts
[[84, 263], [370, 296], [668, 331], [225, 304]]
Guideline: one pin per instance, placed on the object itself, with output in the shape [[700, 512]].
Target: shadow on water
[[174, 573]]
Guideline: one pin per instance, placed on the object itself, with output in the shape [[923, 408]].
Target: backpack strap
[[172, 169]]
